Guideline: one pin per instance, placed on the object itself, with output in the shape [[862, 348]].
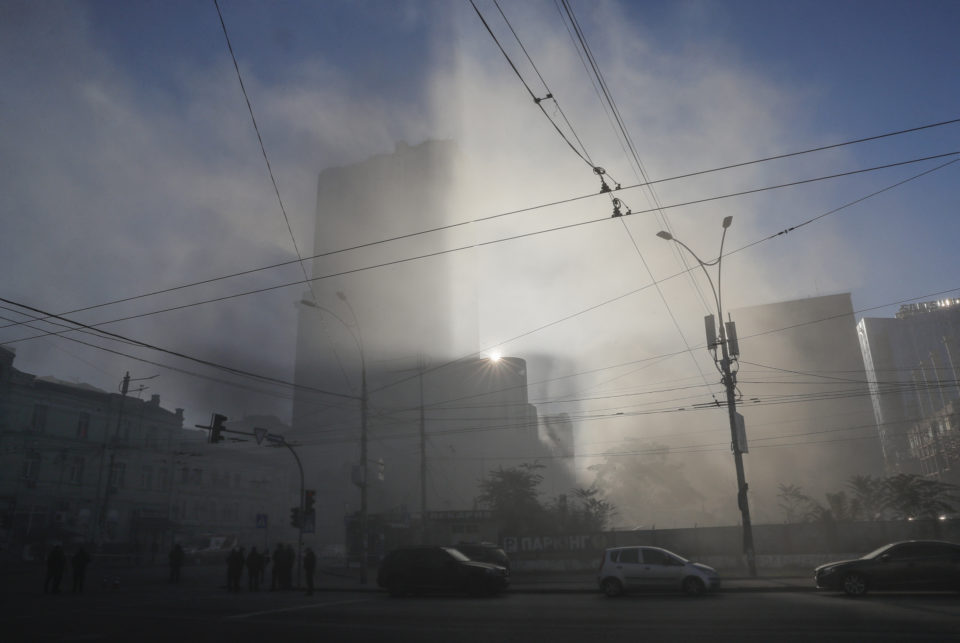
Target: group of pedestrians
[[57, 566], [284, 559]]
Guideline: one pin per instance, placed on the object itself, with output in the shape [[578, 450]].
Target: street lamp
[[729, 351], [358, 339]]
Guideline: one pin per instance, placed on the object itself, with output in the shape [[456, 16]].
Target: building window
[[197, 477], [146, 478], [150, 439], [164, 475], [83, 426], [118, 475], [39, 420], [184, 475], [31, 469], [75, 472], [231, 512]]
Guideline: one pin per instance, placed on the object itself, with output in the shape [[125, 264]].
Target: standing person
[[290, 559], [80, 561], [264, 561], [56, 564], [275, 570], [176, 562], [309, 564], [240, 557], [254, 560], [234, 567], [231, 563]]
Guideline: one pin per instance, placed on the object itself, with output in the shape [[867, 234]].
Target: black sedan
[[439, 569], [907, 565]]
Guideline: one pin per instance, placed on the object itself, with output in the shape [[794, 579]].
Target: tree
[[869, 497], [840, 506], [646, 485], [795, 504], [513, 496], [913, 496], [591, 511]]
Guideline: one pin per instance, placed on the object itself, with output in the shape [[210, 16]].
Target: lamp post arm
[[703, 267], [356, 340], [719, 293]]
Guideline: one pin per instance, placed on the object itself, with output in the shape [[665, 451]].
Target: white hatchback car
[[626, 568]]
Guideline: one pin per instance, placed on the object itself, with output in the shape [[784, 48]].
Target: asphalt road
[[197, 613]]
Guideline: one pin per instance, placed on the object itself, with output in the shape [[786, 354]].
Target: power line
[[516, 211], [583, 156], [50, 315], [597, 170], [222, 367], [263, 149], [476, 245]]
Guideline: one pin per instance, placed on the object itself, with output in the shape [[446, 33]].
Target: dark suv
[[439, 569], [484, 552]]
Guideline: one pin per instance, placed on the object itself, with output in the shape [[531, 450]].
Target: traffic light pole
[[300, 524], [100, 526]]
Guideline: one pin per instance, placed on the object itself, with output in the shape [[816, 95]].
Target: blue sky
[[132, 166]]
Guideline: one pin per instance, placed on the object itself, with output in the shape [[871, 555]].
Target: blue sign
[[261, 521]]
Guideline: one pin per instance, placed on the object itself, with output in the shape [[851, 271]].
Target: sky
[[131, 166]]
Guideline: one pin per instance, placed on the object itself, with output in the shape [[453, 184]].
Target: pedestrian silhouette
[[235, 563], [264, 561], [254, 560], [176, 562], [56, 564], [275, 570], [289, 559], [80, 561], [309, 564]]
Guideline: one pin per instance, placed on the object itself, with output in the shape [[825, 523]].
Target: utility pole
[[102, 514], [363, 476], [728, 338], [729, 350], [423, 457]]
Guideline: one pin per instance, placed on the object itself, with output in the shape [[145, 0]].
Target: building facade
[[910, 363], [78, 464], [434, 423], [805, 403]]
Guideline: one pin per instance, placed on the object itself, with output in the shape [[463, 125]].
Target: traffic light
[[309, 497], [216, 428], [295, 517]]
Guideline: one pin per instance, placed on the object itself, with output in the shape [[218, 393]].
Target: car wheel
[[693, 586], [611, 587], [854, 584]]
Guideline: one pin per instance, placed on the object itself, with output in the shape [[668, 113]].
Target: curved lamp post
[[729, 349], [358, 339]]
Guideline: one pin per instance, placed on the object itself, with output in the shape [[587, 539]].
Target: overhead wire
[[475, 245], [51, 315], [513, 212], [273, 178], [594, 307]]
